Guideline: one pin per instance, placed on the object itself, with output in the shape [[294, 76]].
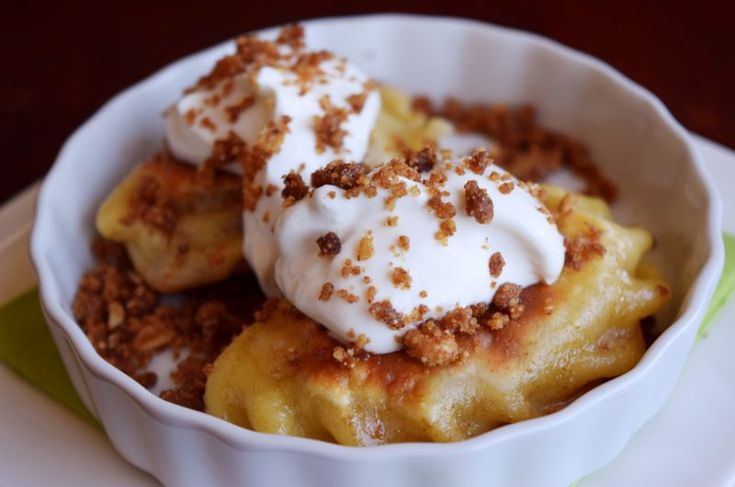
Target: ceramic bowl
[[630, 134]]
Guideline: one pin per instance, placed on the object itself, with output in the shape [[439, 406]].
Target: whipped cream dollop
[[398, 251], [325, 105]]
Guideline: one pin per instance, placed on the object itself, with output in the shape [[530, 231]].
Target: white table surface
[[691, 442]]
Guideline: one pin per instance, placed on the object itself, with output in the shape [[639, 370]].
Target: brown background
[[61, 61]]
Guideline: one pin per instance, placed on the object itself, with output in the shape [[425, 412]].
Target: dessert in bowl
[[470, 197]]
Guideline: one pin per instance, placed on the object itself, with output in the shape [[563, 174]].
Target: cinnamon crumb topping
[[443, 210], [370, 293], [431, 345], [497, 321], [478, 161], [329, 244], [328, 127], [253, 160], [447, 228], [294, 187], [357, 101], [496, 264], [344, 175], [423, 294], [508, 300], [583, 248], [385, 312], [477, 202], [400, 278], [345, 356], [365, 248], [460, 320], [506, 187], [391, 221], [234, 111], [404, 242], [348, 269], [224, 151], [326, 291], [423, 160], [525, 148], [347, 296]]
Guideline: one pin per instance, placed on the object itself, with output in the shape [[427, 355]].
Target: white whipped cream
[[453, 275], [298, 150], [201, 117]]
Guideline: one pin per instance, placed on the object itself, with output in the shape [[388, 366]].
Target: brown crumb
[[478, 161], [328, 127], [357, 101], [344, 175], [508, 299], [497, 321], [385, 312], [326, 291], [496, 264], [349, 269], [404, 243], [370, 293], [525, 148], [460, 320], [583, 248], [477, 202], [347, 296], [391, 221], [345, 356], [365, 248], [294, 188], [400, 278], [329, 244], [431, 345], [442, 209], [423, 160], [506, 187], [234, 111]]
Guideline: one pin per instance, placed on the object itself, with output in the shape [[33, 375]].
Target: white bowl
[[631, 135]]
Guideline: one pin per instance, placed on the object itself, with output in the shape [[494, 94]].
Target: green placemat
[[26, 345]]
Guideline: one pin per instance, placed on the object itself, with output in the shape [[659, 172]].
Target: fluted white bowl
[[630, 134]]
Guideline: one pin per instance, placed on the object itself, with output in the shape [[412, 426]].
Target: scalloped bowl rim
[[162, 411]]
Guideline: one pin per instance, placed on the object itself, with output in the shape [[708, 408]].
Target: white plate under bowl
[[631, 136]]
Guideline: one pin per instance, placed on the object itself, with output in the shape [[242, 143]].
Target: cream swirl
[[331, 108], [398, 253]]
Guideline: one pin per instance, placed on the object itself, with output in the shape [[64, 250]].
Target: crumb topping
[[329, 244], [431, 345], [525, 148], [423, 160], [508, 300], [344, 175], [294, 187], [328, 127], [385, 312], [496, 264], [400, 278], [583, 248], [477, 202], [326, 291], [365, 248]]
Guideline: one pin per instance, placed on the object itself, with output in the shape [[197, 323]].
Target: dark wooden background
[[60, 61]]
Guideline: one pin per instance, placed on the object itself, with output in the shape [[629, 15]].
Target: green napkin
[[26, 345]]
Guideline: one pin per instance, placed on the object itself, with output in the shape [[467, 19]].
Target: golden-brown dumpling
[[279, 376]]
